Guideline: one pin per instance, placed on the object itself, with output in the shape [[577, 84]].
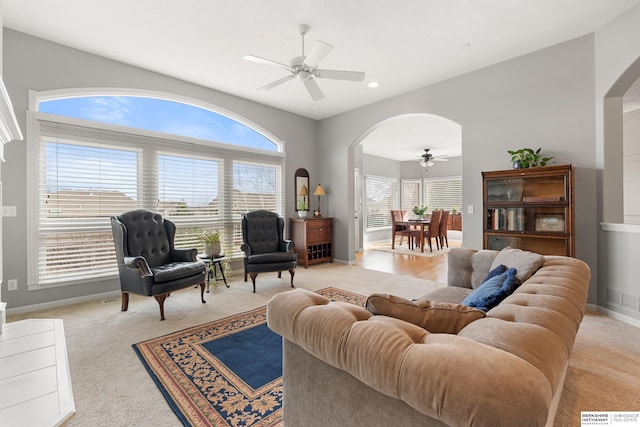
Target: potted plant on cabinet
[[527, 158], [211, 241], [303, 209]]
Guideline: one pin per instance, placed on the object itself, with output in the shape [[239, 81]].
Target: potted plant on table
[[420, 210], [211, 241]]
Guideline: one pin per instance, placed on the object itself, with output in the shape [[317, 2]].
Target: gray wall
[[32, 63], [543, 99], [617, 65]]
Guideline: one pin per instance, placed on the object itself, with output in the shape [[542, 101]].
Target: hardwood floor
[[430, 268]]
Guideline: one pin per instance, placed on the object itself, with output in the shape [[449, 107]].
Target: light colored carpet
[[112, 388]]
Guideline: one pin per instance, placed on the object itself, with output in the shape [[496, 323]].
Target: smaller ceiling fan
[[305, 68], [427, 159]]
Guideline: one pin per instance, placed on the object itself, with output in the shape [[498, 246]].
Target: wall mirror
[[302, 190]]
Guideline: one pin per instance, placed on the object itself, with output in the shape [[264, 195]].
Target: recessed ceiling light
[[373, 84]]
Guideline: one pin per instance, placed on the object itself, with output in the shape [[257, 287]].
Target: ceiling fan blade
[[317, 53], [264, 61], [355, 76], [313, 89], [276, 83]]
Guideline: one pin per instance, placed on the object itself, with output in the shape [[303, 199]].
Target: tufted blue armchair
[[265, 250], [148, 262]]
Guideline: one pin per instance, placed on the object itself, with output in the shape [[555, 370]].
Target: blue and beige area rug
[[224, 373]]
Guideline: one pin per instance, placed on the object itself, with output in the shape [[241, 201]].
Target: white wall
[[32, 63], [543, 99], [617, 65]]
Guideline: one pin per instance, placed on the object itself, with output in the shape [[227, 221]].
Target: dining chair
[[444, 226], [434, 229], [400, 216]]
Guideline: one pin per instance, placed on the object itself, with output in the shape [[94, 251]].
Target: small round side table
[[213, 262]]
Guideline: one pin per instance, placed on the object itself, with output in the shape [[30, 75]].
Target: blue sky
[[159, 115]]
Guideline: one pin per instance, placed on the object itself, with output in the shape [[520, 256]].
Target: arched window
[[100, 155], [158, 115]]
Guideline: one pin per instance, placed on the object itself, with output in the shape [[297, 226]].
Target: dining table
[[414, 223]]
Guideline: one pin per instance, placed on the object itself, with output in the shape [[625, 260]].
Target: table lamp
[[319, 191]]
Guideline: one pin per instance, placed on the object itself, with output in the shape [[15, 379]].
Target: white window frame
[[34, 119]]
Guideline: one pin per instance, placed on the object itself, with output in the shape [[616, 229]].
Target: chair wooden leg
[[202, 286], [292, 272], [393, 240], [245, 276], [125, 301], [160, 298], [279, 274], [253, 280]]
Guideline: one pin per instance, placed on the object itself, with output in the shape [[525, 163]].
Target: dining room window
[[380, 200], [410, 194], [443, 193]]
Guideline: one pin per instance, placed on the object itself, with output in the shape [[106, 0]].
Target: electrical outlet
[[12, 284], [470, 209]]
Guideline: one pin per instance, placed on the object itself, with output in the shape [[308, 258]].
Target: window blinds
[[85, 175], [381, 199]]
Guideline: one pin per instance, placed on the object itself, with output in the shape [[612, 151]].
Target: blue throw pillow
[[493, 291], [495, 272]]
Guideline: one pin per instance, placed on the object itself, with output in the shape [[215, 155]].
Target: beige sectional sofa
[[343, 365]]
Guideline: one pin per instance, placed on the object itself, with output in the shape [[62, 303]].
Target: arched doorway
[[387, 154]]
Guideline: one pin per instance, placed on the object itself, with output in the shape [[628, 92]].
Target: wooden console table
[[35, 384], [313, 238]]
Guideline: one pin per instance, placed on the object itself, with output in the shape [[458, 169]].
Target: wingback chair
[[148, 262], [265, 250]]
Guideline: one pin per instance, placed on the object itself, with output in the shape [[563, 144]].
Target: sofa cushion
[[527, 263], [434, 316], [493, 291], [468, 267]]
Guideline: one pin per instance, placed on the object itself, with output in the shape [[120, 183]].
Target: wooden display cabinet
[[313, 238], [530, 209]]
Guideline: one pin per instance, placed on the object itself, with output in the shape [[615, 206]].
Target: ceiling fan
[[427, 159], [305, 68]]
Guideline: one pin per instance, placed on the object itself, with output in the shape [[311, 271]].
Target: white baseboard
[[615, 315], [63, 302]]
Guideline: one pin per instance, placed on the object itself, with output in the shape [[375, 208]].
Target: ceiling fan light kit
[[427, 159], [304, 68]]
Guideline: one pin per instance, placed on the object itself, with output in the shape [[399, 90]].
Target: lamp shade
[[319, 191], [304, 191]]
